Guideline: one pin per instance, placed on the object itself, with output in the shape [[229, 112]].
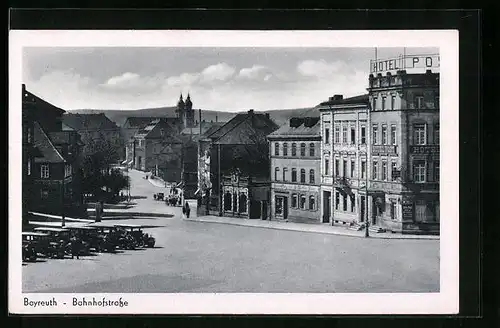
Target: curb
[[372, 236]]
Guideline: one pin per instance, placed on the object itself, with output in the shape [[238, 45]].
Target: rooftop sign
[[404, 62]]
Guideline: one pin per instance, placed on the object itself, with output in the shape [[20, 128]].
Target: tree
[[115, 181]]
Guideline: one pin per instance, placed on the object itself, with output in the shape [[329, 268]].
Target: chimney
[[250, 112], [267, 115], [24, 88], [216, 118], [337, 97]]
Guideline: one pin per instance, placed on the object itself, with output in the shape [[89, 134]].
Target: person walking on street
[[188, 210], [75, 247]]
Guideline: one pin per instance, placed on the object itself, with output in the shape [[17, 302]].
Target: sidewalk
[[291, 226]]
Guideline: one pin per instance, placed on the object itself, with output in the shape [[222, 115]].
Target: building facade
[[344, 153], [295, 154], [405, 167]]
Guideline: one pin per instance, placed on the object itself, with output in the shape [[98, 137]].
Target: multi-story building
[[344, 153], [234, 167], [295, 170], [404, 123], [158, 149], [52, 160]]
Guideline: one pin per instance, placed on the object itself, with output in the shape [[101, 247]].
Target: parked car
[[29, 244], [56, 244], [107, 236], [89, 237], [142, 239]]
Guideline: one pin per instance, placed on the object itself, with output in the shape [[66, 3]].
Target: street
[[207, 257]]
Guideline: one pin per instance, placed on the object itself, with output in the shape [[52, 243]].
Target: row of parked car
[[52, 242]]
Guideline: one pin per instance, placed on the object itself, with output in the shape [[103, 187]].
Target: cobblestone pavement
[[207, 257]]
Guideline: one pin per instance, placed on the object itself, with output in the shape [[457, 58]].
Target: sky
[[225, 79]]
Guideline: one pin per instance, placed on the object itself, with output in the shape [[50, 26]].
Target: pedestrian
[[188, 210], [98, 210], [75, 247], [183, 210]]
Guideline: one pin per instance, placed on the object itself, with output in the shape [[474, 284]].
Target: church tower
[[189, 113], [180, 110]]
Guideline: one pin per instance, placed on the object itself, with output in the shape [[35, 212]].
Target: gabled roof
[[205, 127], [89, 121], [300, 131], [139, 122], [48, 152], [154, 131], [31, 100]]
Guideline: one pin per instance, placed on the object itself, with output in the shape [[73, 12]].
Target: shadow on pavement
[[138, 197]]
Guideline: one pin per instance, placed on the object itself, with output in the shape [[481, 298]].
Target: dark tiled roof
[[299, 131], [351, 100], [48, 152], [206, 127], [140, 122], [33, 101], [89, 121]]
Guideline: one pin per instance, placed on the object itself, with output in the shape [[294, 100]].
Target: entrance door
[[375, 214], [264, 210], [327, 198], [285, 208]]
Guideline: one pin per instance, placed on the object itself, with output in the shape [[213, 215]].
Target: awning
[[125, 161], [197, 191], [179, 184], [130, 162]]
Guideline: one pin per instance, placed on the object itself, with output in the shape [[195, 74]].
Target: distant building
[[234, 167], [185, 112], [295, 152], [95, 128], [51, 160], [158, 149]]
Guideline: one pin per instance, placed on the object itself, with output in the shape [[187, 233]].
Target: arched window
[[312, 203], [294, 149], [302, 149], [243, 203], [276, 173], [276, 149], [227, 201], [294, 175], [235, 203], [311, 149], [302, 176], [311, 176], [285, 149]]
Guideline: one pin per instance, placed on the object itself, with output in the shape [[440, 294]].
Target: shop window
[[279, 206], [420, 210], [393, 210], [303, 202], [344, 203], [337, 200], [243, 203], [227, 201]]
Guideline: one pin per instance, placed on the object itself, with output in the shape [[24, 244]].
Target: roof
[[244, 128], [48, 152], [139, 122], [89, 121], [154, 131], [32, 99], [67, 127], [206, 127], [352, 100], [311, 129]]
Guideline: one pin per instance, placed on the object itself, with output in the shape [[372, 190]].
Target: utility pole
[[63, 221]]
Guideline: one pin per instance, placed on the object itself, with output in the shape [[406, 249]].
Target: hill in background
[[280, 116]]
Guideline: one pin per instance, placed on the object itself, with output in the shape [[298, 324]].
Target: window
[[375, 170], [363, 169], [436, 171], [294, 149], [394, 171], [303, 202], [44, 194], [344, 168], [337, 134], [344, 203], [312, 203], [384, 170], [420, 207], [375, 135], [67, 170], [436, 134], [436, 103], [352, 168], [327, 166], [279, 206], [276, 173], [29, 135], [393, 134], [393, 210], [337, 200], [303, 149], [285, 149], [337, 167], [353, 135], [344, 135], [44, 171], [302, 176], [419, 134], [327, 135], [419, 171], [285, 170], [294, 175], [383, 103], [294, 201], [29, 166], [227, 201], [384, 134], [311, 176], [393, 102], [353, 203], [276, 149], [363, 135], [374, 103], [243, 203], [419, 102], [311, 149]]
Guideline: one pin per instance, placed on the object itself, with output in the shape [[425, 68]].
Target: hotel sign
[[404, 62], [424, 149]]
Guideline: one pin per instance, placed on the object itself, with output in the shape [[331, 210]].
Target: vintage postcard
[[233, 172]]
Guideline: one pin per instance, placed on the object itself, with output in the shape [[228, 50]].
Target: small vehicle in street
[[141, 239], [88, 236], [159, 196], [30, 241], [107, 237], [56, 245]]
